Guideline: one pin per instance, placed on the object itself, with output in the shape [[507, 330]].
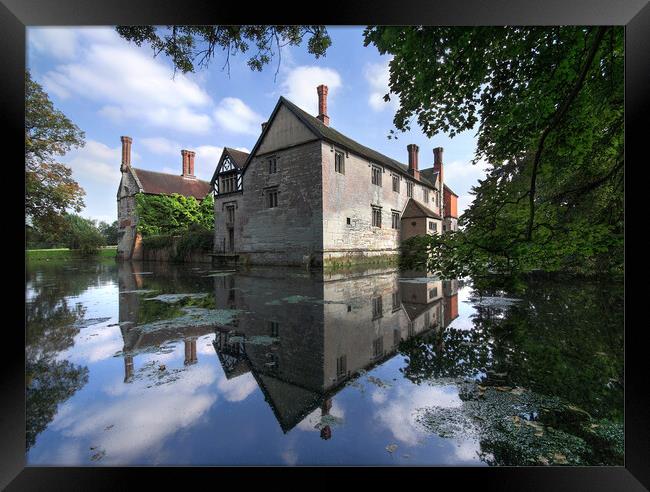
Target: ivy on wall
[[173, 214]]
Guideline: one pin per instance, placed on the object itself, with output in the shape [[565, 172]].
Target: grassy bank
[[33, 255]]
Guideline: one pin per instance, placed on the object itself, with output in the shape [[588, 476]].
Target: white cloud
[[378, 75], [237, 389], [96, 162], [462, 175], [130, 84], [159, 145], [232, 114], [300, 84], [59, 42]]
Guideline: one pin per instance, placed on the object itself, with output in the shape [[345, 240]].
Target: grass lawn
[[66, 254]]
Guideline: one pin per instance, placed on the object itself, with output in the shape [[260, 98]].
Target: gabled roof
[[448, 189], [156, 183], [415, 209], [329, 134], [429, 174], [237, 157]]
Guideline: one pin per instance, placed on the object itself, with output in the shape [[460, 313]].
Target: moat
[[163, 364]]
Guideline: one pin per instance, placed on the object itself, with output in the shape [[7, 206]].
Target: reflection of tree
[[49, 382], [562, 339], [51, 326]]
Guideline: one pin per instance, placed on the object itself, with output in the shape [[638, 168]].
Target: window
[[378, 347], [425, 195], [409, 189], [427, 320], [339, 163], [411, 329], [273, 165], [376, 217], [376, 175], [395, 216], [444, 227], [341, 367], [396, 183], [437, 198], [433, 226], [377, 308], [228, 183], [274, 328], [230, 214], [272, 198], [349, 221], [396, 301], [433, 293]]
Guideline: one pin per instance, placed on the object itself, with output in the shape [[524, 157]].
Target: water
[[157, 364]]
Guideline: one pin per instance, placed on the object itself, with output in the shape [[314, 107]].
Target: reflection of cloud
[[289, 457], [467, 451], [310, 421], [397, 415], [237, 389], [141, 417]]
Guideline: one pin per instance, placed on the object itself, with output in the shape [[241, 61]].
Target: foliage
[[172, 214], [110, 232], [49, 187], [82, 234], [548, 103], [196, 238], [189, 46], [157, 242]]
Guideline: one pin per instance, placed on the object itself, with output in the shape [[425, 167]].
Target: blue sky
[[110, 88]]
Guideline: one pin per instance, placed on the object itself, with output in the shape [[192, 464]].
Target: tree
[[49, 187], [191, 46], [82, 234], [548, 103], [110, 232]]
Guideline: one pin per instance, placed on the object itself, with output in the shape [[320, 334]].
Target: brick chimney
[[322, 104], [413, 160], [188, 163], [437, 164], [126, 153]]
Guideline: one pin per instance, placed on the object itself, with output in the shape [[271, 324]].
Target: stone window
[[272, 198], [376, 216], [409, 189], [395, 183], [339, 162], [425, 195], [396, 301], [273, 165], [349, 222], [378, 347], [437, 198], [433, 292], [444, 227], [395, 216], [433, 226], [376, 175], [411, 329], [230, 214], [377, 308], [341, 367], [274, 328], [427, 320]]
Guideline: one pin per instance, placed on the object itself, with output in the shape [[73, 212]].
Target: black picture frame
[[16, 15]]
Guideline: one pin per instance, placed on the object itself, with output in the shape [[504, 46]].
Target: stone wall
[[168, 254], [352, 195], [126, 217], [290, 233]]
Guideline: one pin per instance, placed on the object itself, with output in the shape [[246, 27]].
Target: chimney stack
[[437, 164], [322, 104], [413, 160], [188, 163], [126, 153], [264, 125]]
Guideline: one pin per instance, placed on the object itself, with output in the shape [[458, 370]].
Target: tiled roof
[[155, 183], [238, 157], [429, 174], [331, 135], [415, 209]]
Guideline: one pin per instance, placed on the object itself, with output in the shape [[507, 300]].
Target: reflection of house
[[137, 340], [307, 194], [302, 339]]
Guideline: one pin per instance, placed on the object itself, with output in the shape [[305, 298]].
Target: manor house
[[309, 195]]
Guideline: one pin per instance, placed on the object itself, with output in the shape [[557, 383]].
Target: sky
[[110, 87]]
